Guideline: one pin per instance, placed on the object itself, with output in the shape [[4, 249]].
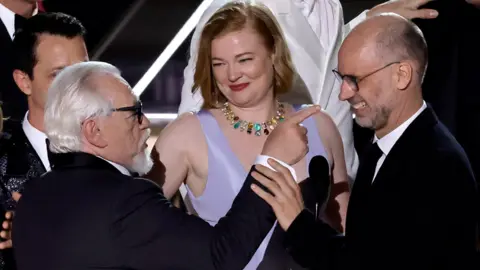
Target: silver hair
[[73, 98]]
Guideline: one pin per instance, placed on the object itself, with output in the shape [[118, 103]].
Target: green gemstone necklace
[[253, 127]]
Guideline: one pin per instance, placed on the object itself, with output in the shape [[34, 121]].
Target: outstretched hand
[[409, 9]]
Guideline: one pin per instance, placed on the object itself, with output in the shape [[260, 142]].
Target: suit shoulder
[[143, 183], [446, 146], [448, 158], [134, 193], [130, 185]]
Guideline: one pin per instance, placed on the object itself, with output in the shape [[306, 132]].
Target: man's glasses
[[353, 81], [136, 109]]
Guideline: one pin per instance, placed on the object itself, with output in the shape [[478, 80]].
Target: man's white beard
[[142, 162]]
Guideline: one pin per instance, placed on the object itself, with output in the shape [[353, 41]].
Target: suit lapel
[[26, 158], [21, 163], [390, 172], [4, 35], [406, 146]]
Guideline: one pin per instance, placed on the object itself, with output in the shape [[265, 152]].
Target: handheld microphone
[[319, 171]]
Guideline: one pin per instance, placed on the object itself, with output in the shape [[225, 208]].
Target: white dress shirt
[[38, 141], [8, 18], [387, 142], [119, 167]]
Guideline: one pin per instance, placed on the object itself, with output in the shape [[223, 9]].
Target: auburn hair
[[235, 16]]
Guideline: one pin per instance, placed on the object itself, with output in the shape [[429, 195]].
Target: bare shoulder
[[325, 121], [327, 129], [182, 129]]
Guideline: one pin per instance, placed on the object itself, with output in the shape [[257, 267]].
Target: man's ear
[[23, 81], [404, 75], [93, 134]]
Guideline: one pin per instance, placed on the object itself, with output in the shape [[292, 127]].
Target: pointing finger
[[303, 114]]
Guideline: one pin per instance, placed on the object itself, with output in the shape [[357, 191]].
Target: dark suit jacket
[[18, 164], [85, 214], [14, 102], [420, 212]]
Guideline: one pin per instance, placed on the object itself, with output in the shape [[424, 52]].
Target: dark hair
[[25, 41], [406, 41]]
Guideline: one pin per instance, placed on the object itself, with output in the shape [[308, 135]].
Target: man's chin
[[363, 122], [142, 163]]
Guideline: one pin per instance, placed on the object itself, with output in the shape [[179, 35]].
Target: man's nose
[[346, 92], [145, 122]]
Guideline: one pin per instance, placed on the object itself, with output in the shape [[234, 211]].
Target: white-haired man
[[88, 212]]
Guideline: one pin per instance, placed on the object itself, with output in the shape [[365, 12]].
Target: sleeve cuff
[[262, 160]]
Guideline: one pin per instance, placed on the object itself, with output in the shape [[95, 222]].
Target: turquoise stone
[[237, 125], [258, 127]]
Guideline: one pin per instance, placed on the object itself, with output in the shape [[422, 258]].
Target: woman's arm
[[170, 155], [337, 204]]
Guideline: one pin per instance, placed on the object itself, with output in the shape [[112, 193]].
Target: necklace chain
[[254, 127]]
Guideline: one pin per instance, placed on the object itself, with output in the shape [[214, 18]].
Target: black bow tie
[[19, 22]]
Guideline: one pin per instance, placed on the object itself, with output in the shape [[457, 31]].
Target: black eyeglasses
[[353, 81], [137, 109]]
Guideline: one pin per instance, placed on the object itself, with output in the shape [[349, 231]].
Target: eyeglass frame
[[137, 109], [355, 79]]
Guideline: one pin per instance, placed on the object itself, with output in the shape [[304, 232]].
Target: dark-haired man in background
[[46, 43]]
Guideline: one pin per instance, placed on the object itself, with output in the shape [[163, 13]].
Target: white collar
[[8, 18], [38, 141], [387, 142], [35, 11], [119, 167]]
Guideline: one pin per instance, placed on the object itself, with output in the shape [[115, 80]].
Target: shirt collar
[[31, 129], [387, 142], [38, 141], [8, 18], [119, 167], [35, 11]]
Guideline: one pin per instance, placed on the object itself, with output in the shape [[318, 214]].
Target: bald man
[[413, 204]]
